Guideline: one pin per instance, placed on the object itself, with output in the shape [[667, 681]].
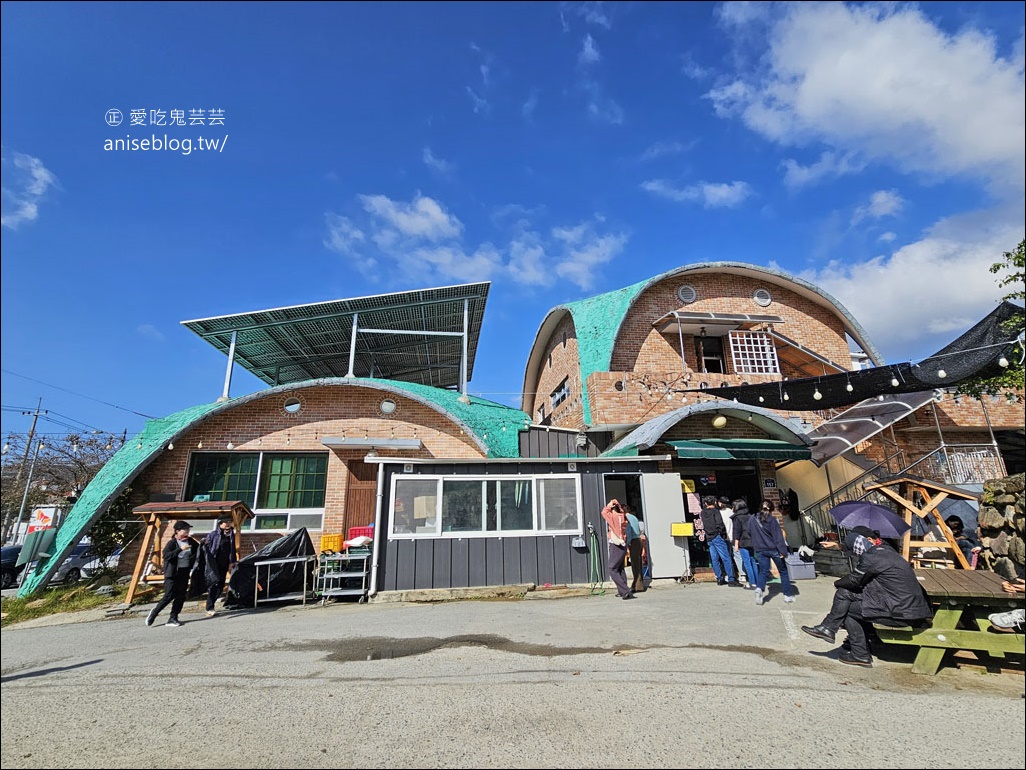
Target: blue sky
[[558, 150]]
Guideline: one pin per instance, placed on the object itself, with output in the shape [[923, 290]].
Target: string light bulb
[[230, 446], [849, 387], [786, 397], [894, 382], [170, 445], [941, 373], [817, 395], [1003, 362]]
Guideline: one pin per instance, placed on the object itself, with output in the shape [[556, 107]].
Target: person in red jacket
[[616, 535]]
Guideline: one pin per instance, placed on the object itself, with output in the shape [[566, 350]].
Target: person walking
[[218, 557], [743, 541], [616, 535], [636, 549], [769, 546], [179, 557], [727, 514], [882, 589], [716, 539]]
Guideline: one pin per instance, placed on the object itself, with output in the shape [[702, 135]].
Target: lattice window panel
[[753, 353]]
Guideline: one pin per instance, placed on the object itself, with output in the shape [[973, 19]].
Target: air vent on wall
[[687, 294], [762, 297]]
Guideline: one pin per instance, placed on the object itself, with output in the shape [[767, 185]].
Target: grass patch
[[59, 599]]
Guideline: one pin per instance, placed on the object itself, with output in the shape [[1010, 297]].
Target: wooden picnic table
[[962, 600]]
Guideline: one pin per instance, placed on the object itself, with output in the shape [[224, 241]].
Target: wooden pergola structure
[[160, 516], [922, 498]]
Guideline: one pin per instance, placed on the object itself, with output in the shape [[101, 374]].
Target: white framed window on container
[[285, 490], [477, 506]]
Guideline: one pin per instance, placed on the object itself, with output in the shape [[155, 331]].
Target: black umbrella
[[862, 513]]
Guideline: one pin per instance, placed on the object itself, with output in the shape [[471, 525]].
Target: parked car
[[82, 562], [11, 570]]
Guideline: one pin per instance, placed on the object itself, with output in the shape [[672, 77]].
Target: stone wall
[[1001, 521]]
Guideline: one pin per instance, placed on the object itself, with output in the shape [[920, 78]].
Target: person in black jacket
[[179, 557], [218, 556], [882, 589], [716, 539], [743, 540]]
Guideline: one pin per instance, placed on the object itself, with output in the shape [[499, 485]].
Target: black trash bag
[[276, 579]]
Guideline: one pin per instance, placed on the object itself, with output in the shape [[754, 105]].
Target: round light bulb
[[786, 397], [941, 373], [719, 421], [849, 388], [817, 395], [1003, 362], [761, 399], [894, 382]]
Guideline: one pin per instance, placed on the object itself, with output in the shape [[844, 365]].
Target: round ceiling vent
[[762, 297], [687, 294]]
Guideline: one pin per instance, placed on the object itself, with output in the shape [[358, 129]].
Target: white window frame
[[536, 502], [753, 352]]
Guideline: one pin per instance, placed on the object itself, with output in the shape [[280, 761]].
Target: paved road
[[683, 676]]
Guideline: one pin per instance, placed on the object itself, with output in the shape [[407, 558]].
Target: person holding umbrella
[[882, 589]]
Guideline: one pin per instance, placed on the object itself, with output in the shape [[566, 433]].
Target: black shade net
[[974, 354]]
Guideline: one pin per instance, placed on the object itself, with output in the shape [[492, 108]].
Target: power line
[[80, 395]]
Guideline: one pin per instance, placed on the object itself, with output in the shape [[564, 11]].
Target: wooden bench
[[959, 597]]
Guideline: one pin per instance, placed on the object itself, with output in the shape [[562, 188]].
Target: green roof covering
[[116, 473], [596, 321], [740, 449]]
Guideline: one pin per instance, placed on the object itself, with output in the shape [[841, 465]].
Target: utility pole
[[21, 468]]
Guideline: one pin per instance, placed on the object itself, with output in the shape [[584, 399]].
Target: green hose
[[596, 574]]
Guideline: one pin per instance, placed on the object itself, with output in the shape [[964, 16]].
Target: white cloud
[[480, 105], [915, 300], [882, 203], [601, 107], [422, 217], [592, 13], [528, 107], [584, 252], [888, 237], [25, 183], [150, 332], [661, 149], [589, 52], [880, 80], [710, 194], [693, 69], [829, 165], [439, 165], [421, 240]]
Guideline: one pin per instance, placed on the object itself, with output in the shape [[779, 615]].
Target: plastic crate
[[331, 542], [355, 532], [800, 570]]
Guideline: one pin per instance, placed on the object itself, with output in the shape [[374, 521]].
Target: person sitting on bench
[[882, 589]]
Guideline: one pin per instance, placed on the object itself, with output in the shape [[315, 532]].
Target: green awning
[[740, 449]]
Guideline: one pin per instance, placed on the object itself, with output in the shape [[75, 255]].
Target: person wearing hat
[[882, 589], [179, 557]]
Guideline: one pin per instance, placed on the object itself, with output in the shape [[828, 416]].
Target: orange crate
[[331, 542]]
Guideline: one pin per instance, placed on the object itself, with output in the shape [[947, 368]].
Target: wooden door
[[361, 490]]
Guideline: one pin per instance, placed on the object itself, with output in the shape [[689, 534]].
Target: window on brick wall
[[285, 490], [560, 394], [753, 353], [469, 506]]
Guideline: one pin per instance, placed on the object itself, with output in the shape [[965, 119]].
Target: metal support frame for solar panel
[[426, 336]]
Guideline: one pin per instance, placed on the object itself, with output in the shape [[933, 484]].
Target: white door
[[664, 504]]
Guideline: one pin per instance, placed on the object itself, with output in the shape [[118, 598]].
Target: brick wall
[[262, 425]]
